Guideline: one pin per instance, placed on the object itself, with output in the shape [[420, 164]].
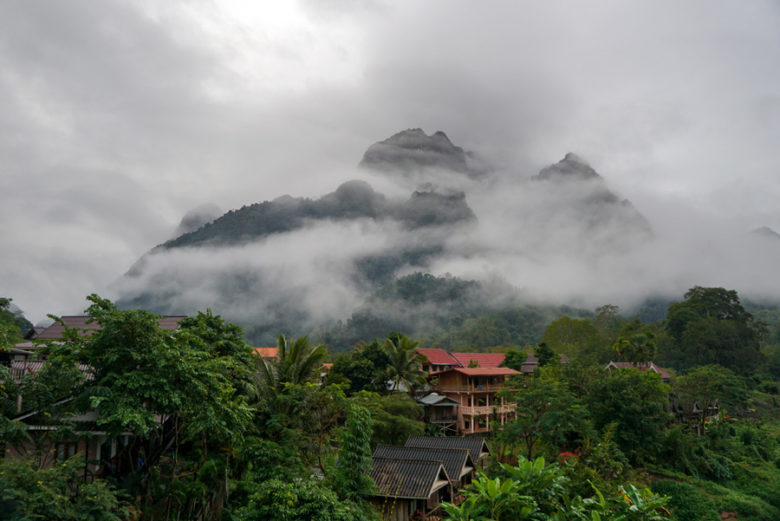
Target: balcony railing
[[471, 388], [484, 410]]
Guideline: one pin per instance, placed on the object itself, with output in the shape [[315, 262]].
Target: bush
[[687, 502]]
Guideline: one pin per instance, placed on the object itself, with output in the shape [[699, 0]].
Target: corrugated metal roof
[[56, 330], [437, 356], [475, 445], [409, 479], [483, 359], [437, 399], [455, 461]]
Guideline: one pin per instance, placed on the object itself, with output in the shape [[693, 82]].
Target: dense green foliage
[[216, 433]]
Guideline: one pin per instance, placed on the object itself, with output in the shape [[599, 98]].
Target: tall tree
[[297, 362], [634, 400], [712, 327], [546, 412], [574, 337], [350, 479], [404, 364], [636, 343]]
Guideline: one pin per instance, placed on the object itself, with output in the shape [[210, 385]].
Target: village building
[[441, 411], [476, 389], [641, 366], [476, 445], [457, 462], [84, 437], [409, 489]]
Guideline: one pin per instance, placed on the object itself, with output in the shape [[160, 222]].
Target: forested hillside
[[218, 433]]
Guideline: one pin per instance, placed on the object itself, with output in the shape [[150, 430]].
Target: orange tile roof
[[267, 352], [480, 371]]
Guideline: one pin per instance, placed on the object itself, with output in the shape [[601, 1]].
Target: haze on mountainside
[[120, 116], [556, 237]]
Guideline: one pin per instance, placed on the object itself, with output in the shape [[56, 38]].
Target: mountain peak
[[413, 150], [570, 167]]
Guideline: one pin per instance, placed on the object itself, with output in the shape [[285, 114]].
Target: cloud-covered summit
[[412, 152], [297, 264]]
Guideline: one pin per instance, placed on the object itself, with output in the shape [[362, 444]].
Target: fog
[[117, 118]]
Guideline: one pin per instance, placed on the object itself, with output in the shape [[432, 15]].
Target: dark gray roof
[[437, 399], [475, 445], [409, 479], [454, 460]]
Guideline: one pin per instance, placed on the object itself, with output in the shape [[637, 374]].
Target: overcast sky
[[117, 117]]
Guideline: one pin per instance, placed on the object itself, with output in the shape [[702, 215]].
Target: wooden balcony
[[484, 388], [486, 410]]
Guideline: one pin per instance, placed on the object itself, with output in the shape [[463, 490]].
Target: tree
[[306, 500], [515, 359], [635, 401], [297, 362], [636, 343], [709, 386], [393, 417], [350, 478], [545, 354], [361, 369], [181, 394], [546, 412], [712, 327], [404, 364], [574, 337], [57, 493]]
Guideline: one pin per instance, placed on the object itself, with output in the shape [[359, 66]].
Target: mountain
[[352, 200], [306, 265], [585, 196], [412, 151]]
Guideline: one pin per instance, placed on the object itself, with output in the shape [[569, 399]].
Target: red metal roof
[[483, 359], [437, 356]]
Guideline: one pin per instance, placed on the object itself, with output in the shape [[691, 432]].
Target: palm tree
[[404, 367], [297, 361]]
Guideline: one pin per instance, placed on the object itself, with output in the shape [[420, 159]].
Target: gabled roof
[[55, 331], [531, 362], [267, 352], [640, 366], [483, 359], [476, 446], [480, 371], [407, 479], [457, 462], [437, 356], [437, 399]]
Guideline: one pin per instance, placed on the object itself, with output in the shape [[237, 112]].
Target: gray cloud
[[116, 118]]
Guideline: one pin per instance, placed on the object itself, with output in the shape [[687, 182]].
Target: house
[[457, 462], [409, 489], [641, 366], [442, 411], [83, 436], [476, 391], [476, 445], [532, 362]]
